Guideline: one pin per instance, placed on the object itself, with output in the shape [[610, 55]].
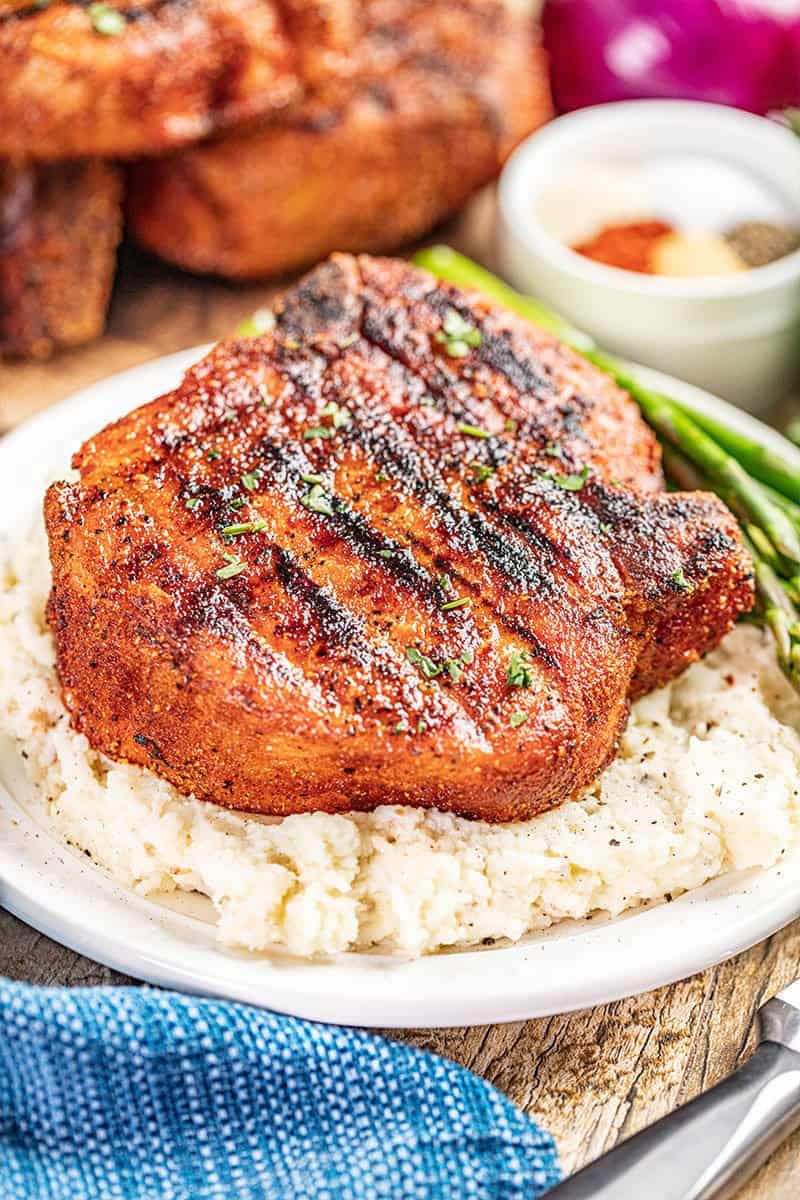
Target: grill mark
[[360, 537], [495, 349], [555, 551], [288, 463], [469, 532], [336, 623]]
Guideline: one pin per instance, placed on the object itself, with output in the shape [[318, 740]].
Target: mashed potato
[[706, 781]]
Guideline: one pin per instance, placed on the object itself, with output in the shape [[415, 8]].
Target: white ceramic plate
[[573, 966]]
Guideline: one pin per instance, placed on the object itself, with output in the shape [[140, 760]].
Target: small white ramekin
[[735, 335]]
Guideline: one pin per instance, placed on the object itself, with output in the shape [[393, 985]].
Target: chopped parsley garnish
[[381, 477], [605, 528], [571, 483], [519, 671], [233, 566], [250, 480], [510, 425], [339, 418], [194, 502], [313, 478], [472, 430], [245, 527], [554, 450], [237, 502], [679, 580], [401, 727], [516, 719], [428, 668], [455, 666], [385, 553], [445, 583], [457, 336], [482, 472], [339, 415], [106, 20], [316, 500], [212, 455], [422, 725], [451, 604], [257, 323]]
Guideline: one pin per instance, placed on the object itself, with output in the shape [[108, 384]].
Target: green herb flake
[[519, 670], [245, 527], [339, 416], [317, 431], [317, 501], [451, 604], [679, 581], [401, 727], [606, 529], [457, 336], [381, 477], [571, 483], [472, 430], [260, 321], [444, 582], [250, 480], [454, 669], [510, 425], [213, 455], [237, 502], [107, 21], [422, 725], [233, 566], [194, 502], [385, 553], [554, 450], [428, 668], [313, 478], [517, 718], [482, 472]]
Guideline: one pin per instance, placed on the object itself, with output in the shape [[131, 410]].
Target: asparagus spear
[[760, 461], [780, 614]]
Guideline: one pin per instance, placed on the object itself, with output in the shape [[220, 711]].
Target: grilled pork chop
[[59, 229], [153, 73], [399, 135], [402, 548]]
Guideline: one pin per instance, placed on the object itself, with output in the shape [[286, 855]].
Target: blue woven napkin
[[138, 1094]]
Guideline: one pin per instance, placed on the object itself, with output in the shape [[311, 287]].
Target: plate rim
[[438, 990]]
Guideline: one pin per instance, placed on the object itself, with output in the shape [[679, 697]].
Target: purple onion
[[722, 51]]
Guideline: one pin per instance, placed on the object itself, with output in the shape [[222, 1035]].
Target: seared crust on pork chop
[[397, 138], [403, 548], [59, 229], [174, 71]]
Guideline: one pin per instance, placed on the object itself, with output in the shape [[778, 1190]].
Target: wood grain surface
[[591, 1077]]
